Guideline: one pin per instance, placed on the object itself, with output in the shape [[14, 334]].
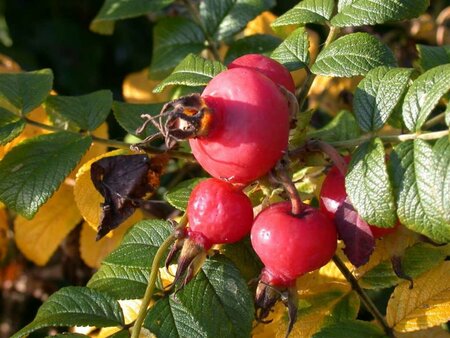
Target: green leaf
[[243, 257], [178, 196], [227, 17], [86, 111], [129, 116], [216, 303], [124, 272], [424, 94], [293, 52], [307, 11], [344, 3], [350, 328], [441, 179], [368, 186], [342, 127], [23, 92], [418, 206], [432, 56], [364, 12], [193, 71], [72, 306], [36, 167], [68, 335], [415, 261], [353, 54], [378, 94], [124, 9], [447, 114], [253, 44], [120, 282], [346, 308], [174, 39], [11, 126]]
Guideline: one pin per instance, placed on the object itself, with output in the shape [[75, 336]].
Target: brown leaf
[[125, 182]]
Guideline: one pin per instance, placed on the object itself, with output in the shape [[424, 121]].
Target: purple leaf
[[356, 234]]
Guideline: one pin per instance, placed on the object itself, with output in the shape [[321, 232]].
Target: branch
[[115, 144]]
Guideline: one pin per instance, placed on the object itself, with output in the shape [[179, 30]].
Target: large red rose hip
[[292, 245], [250, 126], [267, 66], [219, 212]]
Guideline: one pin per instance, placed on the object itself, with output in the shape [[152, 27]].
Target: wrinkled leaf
[[226, 309], [243, 257], [75, 306], [432, 56], [307, 11], [293, 52], [113, 10], [86, 111], [351, 328], [125, 271], [227, 17], [418, 199], [363, 12], [355, 233], [35, 169], [342, 127], [174, 39], [441, 179], [129, 116], [424, 306], [178, 196], [11, 126], [353, 54], [423, 96], [254, 44], [378, 94], [23, 92], [193, 71], [368, 186]]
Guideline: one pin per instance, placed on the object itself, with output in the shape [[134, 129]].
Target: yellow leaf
[[261, 24], [95, 150], [93, 252], [387, 247], [87, 198], [4, 228], [434, 332], [40, 237], [424, 306], [315, 307], [138, 88]]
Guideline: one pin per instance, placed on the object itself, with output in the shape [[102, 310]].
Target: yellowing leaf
[[39, 238], [29, 131], [4, 227], [87, 198], [93, 252], [387, 247], [332, 94], [434, 332], [96, 148], [261, 24], [316, 306], [424, 306], [138, 88]]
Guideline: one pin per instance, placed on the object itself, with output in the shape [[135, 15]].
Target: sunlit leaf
[[424, 306], [39, 237], [138, 88], [307, 11]]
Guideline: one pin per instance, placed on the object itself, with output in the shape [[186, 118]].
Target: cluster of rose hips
[[238, 129]]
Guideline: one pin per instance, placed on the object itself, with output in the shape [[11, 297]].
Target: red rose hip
[[219, 212], [292, 245], [250, 126], [267, 66]]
